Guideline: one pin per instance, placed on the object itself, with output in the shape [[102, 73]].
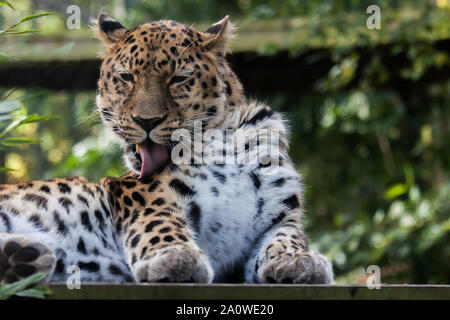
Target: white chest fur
[[239, 200]]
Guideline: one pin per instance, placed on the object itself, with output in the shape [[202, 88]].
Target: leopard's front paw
[[310, 267], [179, 263]]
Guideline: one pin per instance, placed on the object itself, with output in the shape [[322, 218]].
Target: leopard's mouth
[[151, 156]]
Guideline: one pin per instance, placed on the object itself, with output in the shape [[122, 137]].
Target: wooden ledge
[[247, 291]]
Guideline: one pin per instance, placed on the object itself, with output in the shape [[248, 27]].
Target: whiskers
[[180, 54], [94, 116], [201, 117], [109, 117]]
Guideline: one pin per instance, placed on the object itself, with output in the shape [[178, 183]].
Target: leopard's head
[[159, 77]]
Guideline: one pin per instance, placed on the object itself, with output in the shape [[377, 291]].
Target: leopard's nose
[[148, 124]]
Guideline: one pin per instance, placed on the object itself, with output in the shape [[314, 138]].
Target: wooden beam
[[280, 73], [247, 291]]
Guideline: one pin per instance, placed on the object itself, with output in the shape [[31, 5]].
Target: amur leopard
[[168, 221]]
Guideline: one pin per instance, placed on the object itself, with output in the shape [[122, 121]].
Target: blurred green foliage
[[375, 158], [13, 116], [26, 288], [74, 144]]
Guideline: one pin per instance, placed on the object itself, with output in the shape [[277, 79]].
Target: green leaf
[[20, 31], [24, 120], [7, 170], [6, 3], [37, 118], [38, 292], [17, 141], [395, 191], [34, 16], [6, 291], [13, 125]]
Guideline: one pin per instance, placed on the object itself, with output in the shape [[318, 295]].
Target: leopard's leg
[[23, 250], [160, 250], [23, 255], [157, 241], [282, 255]]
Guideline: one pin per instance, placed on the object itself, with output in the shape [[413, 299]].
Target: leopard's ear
[[218, 35], [107, 29]]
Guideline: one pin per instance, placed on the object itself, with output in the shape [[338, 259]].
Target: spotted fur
[[189, 222]]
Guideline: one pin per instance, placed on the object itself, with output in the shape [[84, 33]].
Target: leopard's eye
[[126, 76], [178, 79]]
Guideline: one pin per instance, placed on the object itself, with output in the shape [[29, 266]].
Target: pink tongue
[[153, 156]]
